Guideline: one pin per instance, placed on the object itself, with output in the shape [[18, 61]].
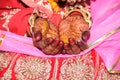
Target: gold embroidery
[[113, 66], [104, 75], [77, 68], [115, 71], [2, 36], [7, 75], [104, 37], [7, 16], [5, 59], [20, 41], [32, 68], [97, 59]]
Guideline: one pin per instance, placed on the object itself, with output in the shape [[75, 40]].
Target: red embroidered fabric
[[15, 66]]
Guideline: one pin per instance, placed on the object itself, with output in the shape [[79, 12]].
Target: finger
[[75, 48], [40, 44], [48, 41], [82, 45], [59, 48], [67, 49], [43, 43], [37, 35], [85, 35], [50, 48]]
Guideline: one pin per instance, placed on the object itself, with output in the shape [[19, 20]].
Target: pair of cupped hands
[[70, 37]]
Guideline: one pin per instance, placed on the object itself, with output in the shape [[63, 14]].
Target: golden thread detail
[[32, 68]]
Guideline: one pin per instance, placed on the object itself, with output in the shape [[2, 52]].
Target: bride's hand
[[75, 47], [45, 37], [74, 32]]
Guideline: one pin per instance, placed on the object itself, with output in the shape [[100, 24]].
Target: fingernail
[[56, 42], [66, 46], [49, 40], [80, 42], [72, 41], [60, 44], [38, 36], [85, 35], [82, 45]]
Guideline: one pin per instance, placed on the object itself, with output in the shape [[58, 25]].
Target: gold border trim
[[113, 66], [2, 36], [115, 71], [104, 37], [21, 41]]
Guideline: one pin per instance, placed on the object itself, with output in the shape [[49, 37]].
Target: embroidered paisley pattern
[[32, 68], [77, 68]]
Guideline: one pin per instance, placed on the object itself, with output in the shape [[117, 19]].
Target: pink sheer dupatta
[[106, 18]]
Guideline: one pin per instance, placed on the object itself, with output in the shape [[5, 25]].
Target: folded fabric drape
[[19, 22], [105, 19]]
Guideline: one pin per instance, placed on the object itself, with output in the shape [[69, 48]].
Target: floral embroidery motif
[[5, 59], [77, 68], [7, 75], [32, 68], [7, 16]]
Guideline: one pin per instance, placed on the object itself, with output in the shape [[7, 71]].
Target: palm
[[65, 39]]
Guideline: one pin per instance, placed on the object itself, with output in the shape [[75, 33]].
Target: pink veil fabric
[[105, 17]]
